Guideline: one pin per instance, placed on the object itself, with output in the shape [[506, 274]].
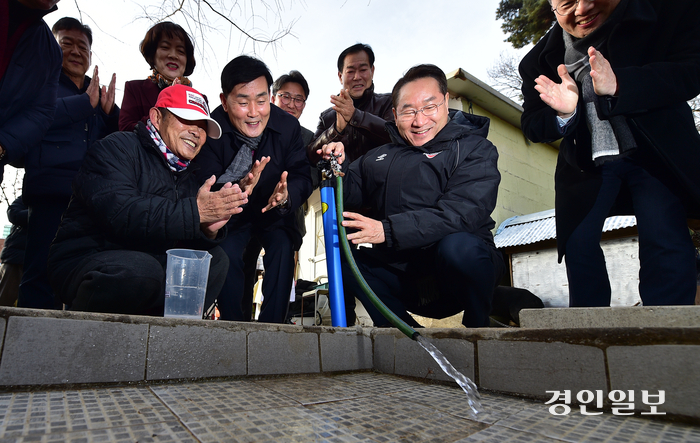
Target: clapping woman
[[169, 51]]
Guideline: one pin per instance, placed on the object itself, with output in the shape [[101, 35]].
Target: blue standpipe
[[335, 275]]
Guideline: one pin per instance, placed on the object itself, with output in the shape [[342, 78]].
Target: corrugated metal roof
[[532, 228]]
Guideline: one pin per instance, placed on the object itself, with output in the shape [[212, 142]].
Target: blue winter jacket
[[51, 165]]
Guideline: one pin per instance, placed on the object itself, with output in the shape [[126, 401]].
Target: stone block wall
[[55, 348]]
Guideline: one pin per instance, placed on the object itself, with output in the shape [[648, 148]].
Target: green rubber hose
[[342, 238]]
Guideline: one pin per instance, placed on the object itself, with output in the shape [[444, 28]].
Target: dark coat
[[16, 241], [51, 166], [28, 91], [424, 193], [306, 136], [281, 141], [655, 54], [126, 197], [139, 98], [364, 131]]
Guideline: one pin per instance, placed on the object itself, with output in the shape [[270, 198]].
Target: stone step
[[56, 349], [607, 317]]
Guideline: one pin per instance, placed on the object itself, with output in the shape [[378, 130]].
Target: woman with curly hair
[[169, 51]]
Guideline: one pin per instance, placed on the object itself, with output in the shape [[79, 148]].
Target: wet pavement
[[356, 407]]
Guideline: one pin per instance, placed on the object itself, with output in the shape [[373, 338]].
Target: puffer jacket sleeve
[[18, 213], [465, 205], [129, 195], [352, 185]]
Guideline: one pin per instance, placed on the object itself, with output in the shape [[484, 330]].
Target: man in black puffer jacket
[[134, 198], [429, 194]]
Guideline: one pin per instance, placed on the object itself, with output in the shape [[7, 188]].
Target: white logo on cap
[[197, 100]]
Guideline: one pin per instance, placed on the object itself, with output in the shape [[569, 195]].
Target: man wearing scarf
[[134, 198], [612, 78], [258, 138], [358, 114]]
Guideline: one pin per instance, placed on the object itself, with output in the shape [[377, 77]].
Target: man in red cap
[[134, 198], [83, 116]]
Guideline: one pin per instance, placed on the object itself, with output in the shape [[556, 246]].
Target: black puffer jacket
[[126, 197], [423, 193], [365, 130]]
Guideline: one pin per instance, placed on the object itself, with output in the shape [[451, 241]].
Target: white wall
[[539, 272]]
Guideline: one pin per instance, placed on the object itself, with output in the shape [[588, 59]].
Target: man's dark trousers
[[132, 282], [666, 252], [277, 283], [458, 273], [44, 218]]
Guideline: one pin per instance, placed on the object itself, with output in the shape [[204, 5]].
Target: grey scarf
[[610, 139], [243, 160]]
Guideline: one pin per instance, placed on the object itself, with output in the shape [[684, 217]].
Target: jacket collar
[[366, 97], [67, 82]]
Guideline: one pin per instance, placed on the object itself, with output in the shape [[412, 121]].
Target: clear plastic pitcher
[[186, 282]]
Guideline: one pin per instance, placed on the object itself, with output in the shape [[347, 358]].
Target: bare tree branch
[[504, 76], [175, 11], [695, 106], [243, 31], [80, 13], [203, 18], [11, 189]]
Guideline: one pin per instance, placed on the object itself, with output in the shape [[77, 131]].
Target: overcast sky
[[450, 34]]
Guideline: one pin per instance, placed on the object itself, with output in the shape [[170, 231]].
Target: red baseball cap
[[188, 104]]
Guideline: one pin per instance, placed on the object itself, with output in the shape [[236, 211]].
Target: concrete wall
[[539, 272], [58, 348]]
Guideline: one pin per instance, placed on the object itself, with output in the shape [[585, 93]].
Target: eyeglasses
[[286, 98], [429, 110], [566, 7]]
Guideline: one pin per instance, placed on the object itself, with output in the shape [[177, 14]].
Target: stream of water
[[468, 386]]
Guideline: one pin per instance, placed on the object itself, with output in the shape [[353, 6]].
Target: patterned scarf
[[163, 82], [176, 165], [610, 139]]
